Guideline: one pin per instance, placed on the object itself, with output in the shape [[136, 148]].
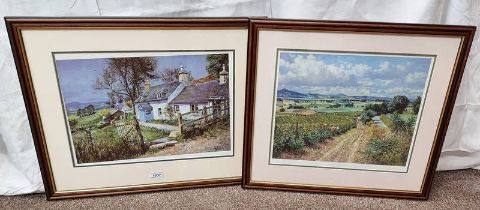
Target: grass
[[388, 122], [90, 121], [105, 145], [150, 134]]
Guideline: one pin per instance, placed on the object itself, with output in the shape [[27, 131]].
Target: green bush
[[295, 144], [381, 150], [366, 116], [399, 125]]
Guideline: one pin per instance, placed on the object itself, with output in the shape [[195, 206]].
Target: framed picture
[[350, 107], [133, 105]]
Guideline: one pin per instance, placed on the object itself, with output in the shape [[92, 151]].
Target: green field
[[358, 106], [301, 126], [319, 119]]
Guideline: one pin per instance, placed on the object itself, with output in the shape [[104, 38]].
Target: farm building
[[124, 108], [182, 96], [113, 116]]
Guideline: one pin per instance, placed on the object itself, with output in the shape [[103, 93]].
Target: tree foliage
[[215, 64], [398, 104], [112, 99], [126, 77], [400, 125], [379, 109], [86, 111], [416, 104], [367, 115], [169, 75]]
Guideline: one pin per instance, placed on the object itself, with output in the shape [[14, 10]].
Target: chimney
[[147, 87], [223, 76], [183, 76]]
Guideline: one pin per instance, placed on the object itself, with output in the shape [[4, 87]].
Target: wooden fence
[[125, 131], [128, 133], [197, 121]]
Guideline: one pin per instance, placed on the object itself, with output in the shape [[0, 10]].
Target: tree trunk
[[136, 124]]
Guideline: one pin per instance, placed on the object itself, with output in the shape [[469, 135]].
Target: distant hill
[[72, 107], [286, 93]]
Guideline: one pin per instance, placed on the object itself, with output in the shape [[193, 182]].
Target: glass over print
[[127, 107], [347, 110]]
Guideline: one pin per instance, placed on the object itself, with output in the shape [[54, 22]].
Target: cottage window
[[148, 112], [160, 95], [159, 111], [176, 108], [193, 107]]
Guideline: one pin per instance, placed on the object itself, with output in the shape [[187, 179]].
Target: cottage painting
[[347, 110], [133, 107]]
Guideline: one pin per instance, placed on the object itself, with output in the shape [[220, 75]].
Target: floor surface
[[451, 190]]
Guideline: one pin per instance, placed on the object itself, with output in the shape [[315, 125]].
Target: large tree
[[215, 64], [169, 74], [112, 99], [398, 104], [126, 77]]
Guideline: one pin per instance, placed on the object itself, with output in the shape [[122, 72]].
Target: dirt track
[[220, 141], [343, 148]]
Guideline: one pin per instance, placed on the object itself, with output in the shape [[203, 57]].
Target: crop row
[[294, 137]]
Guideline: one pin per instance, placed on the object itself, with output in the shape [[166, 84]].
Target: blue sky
[[353, 74], [77, 77]]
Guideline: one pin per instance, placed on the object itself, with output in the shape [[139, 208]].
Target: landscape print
[[130, 107], [347, 110]]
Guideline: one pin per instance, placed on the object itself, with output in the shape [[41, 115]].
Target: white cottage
[[181, 96], [152, 105]]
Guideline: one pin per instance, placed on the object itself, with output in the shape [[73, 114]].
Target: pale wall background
[[19, 172]]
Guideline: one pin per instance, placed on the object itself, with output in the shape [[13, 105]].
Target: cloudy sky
[[77, 77], [353, 74]]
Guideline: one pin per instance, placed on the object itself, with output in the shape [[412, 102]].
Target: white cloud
[[384, 66], [307, 70], [416, 77], [310, 74]]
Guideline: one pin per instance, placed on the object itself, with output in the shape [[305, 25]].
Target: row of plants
[[293, 137]]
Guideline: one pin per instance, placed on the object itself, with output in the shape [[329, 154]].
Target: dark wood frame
[[15, 25], [465, 32]]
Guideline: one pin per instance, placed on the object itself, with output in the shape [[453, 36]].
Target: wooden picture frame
[[35, 41], [272, 40]]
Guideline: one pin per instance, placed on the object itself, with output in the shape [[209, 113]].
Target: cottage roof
[[161, 91], [202, 92], [145, 107]]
